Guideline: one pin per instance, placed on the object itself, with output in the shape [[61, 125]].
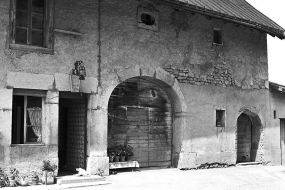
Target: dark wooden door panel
[[140, 115]]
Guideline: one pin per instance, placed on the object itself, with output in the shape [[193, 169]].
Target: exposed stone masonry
[[219, 75]]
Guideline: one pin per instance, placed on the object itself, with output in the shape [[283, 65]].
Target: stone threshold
[[249, 163]]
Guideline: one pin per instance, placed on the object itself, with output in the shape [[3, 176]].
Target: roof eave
[[274, 87], [218, 15]]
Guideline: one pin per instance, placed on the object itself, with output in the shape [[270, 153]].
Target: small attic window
[[147, 19], [217, 39], [147, 16]]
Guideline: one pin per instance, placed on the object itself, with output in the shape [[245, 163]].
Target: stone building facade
[[214, 70]]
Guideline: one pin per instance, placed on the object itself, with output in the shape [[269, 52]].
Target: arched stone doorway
[[248, 137], [98, 113], [140, 115]]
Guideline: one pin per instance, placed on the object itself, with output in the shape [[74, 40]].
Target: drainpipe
[[99, 44]]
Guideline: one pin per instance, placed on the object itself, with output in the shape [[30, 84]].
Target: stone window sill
[[27, 145], [31, 48]]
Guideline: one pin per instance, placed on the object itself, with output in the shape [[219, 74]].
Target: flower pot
[[117, 158], [3, 182], [111, 158], [129, 158], [12, 183], [23, 181], [35, 181], [48, 177], [122, 158]]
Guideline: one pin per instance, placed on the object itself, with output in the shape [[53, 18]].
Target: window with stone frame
[[217, 36], [220, 118], [31, 25], [27, 116]]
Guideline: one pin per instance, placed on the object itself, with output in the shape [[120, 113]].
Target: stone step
[[72, 179], [249, 163]]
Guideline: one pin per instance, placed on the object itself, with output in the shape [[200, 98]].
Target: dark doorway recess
[[282, 140], [140, 115], [72, 132], [248, 137]]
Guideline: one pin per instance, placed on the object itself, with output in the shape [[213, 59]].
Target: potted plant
[[34, 178], [48, 169], [123, 155], [12, 174], [3, 178], [23, 180], [111, 154], [129, 152], [118, 151]]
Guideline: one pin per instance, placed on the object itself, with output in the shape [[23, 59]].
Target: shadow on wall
[[249, 128]]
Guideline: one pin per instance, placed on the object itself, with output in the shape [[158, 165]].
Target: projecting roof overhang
[[235, 11], [276, 87]]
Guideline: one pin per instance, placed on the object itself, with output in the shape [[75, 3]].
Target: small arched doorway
[[140, 115], [248, 137]]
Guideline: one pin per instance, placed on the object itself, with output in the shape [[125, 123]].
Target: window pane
[[34, 119], [22, 18], [22, 4], [38, 21], [34, 102], [37, 38], [21, 36], [38, 6]]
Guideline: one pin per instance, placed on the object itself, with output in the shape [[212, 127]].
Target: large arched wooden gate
[[140, 115]]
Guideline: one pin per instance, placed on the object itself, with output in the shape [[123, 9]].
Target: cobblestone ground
[[233, 178]]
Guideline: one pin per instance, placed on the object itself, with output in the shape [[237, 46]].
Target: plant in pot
[[118, 152], [111, 154], [12, 174], [123, 155], [24, 180], [129, 152], [34, 178], [48, 169], [3, 178]]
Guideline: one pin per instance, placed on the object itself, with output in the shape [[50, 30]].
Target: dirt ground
[[233, 178]]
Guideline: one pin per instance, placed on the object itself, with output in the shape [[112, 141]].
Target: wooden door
[[138, 134], [150, 136], [282, 140], [243, 138], [140, 115]]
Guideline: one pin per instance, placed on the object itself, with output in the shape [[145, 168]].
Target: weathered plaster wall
[[214, 144], [69, 15], [211, 76], [277, 103], [191, 56], [230, 76], [51, 72]]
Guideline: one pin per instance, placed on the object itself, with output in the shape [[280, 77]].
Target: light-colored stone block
[[30, 81], [161, 74], [50, 129], [88, 85], [129, 73], [5, 127], [53, 151], [6, 99], [62, 82], [98, 133], [187, 160], [52, 97], [228, 157], [96, 165]]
